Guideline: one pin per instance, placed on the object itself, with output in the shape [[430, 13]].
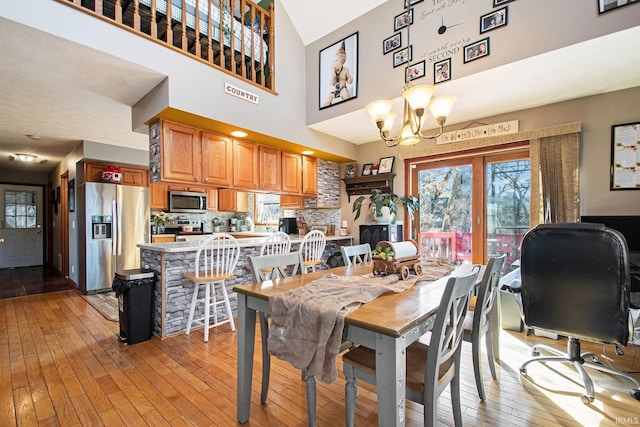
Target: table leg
[[246, 343], [390, 380]]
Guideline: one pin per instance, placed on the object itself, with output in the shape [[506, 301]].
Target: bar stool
[[311, 248], [216, 260], [277, 244]]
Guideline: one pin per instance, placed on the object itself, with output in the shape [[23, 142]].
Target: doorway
[[21, 226]]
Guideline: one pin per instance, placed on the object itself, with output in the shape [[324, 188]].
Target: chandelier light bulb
[[379, 110], [441, 106], [418, 96]]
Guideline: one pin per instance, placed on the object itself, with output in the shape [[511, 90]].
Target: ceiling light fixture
[[28, 158], [307, 152], [239, 134], [416, 100]]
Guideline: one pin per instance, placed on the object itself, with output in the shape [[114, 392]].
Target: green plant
[[377, 200], [383, 253]]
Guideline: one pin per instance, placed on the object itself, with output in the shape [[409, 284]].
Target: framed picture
[[415, 71], [403, 19], [350, 171], [497, 3], [411, 2], [366, 169], [391, 43], [72, 195], [386, 164], [625, 144], [402, 56], [476, 50], [496, 19], [442, 71], [339, 72], [607, 5]]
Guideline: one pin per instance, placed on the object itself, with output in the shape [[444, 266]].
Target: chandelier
[[417, 99]]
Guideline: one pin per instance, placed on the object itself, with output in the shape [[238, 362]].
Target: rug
[[106, 303]]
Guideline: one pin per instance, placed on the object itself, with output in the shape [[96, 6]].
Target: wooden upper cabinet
[[270, 160], [159, 196], [309, 176], [233, 201], [212, 199], [180, 153], [217, 160], [138, 177], [291, 172], [245, 162]]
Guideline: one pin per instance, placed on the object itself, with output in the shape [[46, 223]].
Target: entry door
[[21, 234]]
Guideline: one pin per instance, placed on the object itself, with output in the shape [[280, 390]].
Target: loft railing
[[194, 27]]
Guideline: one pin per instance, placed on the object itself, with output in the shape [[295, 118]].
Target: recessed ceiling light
[[239, 134], [307, 152], [29, 158]]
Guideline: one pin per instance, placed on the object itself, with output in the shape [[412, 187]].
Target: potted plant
[[385, 205], [158, 220]]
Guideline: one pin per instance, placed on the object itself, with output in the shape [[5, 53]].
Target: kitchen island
[[172, 294]]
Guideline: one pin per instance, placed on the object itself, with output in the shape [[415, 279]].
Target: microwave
[[187, 202]]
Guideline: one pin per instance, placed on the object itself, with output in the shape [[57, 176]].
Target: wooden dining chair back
[[268, 267], [215, 261], [278, 243], [479, 321], [429, 368], [312, 248], [356, 254]]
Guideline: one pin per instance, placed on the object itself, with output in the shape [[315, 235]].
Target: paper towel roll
[[404, 249]]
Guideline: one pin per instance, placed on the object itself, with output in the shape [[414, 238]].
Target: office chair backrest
[[575, 281]]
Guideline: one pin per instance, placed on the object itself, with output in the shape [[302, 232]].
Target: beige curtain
[[554, 179]]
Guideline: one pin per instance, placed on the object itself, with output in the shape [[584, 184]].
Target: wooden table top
[[391, 314]]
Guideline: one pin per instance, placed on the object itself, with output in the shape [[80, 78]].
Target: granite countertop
[[244, 243]]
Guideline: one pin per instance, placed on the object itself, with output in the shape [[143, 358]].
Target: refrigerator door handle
[[117, 242]]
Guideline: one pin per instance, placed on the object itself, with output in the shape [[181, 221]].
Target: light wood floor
[[62, 364]]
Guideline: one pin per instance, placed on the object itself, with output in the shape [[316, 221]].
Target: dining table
[[387, 324]]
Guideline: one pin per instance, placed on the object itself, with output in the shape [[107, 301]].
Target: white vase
[[386, 217]]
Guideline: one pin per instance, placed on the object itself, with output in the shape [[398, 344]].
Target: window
[[20, 209], [267, 209]]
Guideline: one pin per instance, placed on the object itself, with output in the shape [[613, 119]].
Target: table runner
[[307, 323]]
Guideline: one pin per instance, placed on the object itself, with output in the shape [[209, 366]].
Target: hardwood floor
[[16, 282], [61, 364]]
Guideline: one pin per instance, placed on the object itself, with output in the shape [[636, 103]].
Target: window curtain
[[555, 191]]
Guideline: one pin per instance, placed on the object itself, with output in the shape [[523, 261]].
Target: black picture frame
[[476, 50], [351, 170], [366, 169], [403, 19], [402, 56], [411, 2], [416, 70], [342, 54], [442, 71], [494, 20], [609, 5], [72, 195], [386, 164], [497, 3], [392, 43], [624, 146]]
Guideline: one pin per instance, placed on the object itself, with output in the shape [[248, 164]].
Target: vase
[[154, 229], [386, 217]]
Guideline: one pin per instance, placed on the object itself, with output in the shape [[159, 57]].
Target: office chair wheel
[[635, 393], [586, 399]]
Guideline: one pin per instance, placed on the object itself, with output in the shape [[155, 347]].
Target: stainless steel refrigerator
[[112, 220]]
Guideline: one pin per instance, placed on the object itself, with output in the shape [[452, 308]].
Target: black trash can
[[134, 289]]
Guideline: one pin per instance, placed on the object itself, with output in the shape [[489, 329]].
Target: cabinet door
[[291, 202], [217, 160], [245, 162], [309, 176], [159, 196], [212, 199], [180, 154], [291, 172], [134, 176], [233, 201], [270, 168]]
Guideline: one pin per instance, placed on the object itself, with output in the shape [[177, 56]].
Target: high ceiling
[[64, 93]]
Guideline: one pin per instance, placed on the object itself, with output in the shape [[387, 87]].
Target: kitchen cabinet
[[191, 188], [245, 165], [291, 202], [180, 158], [163, 238], [291, 172], [233, 201], [309, 176], [136, 176], [217, 160], [212, 199], [270, 161], [159, 196]]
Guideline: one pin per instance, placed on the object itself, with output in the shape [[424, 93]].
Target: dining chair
[[429, 368], [266, 267], [356, 254], [215, 261], [479, 320], [311, 248]]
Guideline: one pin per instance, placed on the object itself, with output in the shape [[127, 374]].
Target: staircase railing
[[234, 36]]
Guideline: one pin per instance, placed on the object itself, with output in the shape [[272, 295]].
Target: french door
[[472, 206]]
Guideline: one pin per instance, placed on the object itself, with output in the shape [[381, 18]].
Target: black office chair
[[575, 282]]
